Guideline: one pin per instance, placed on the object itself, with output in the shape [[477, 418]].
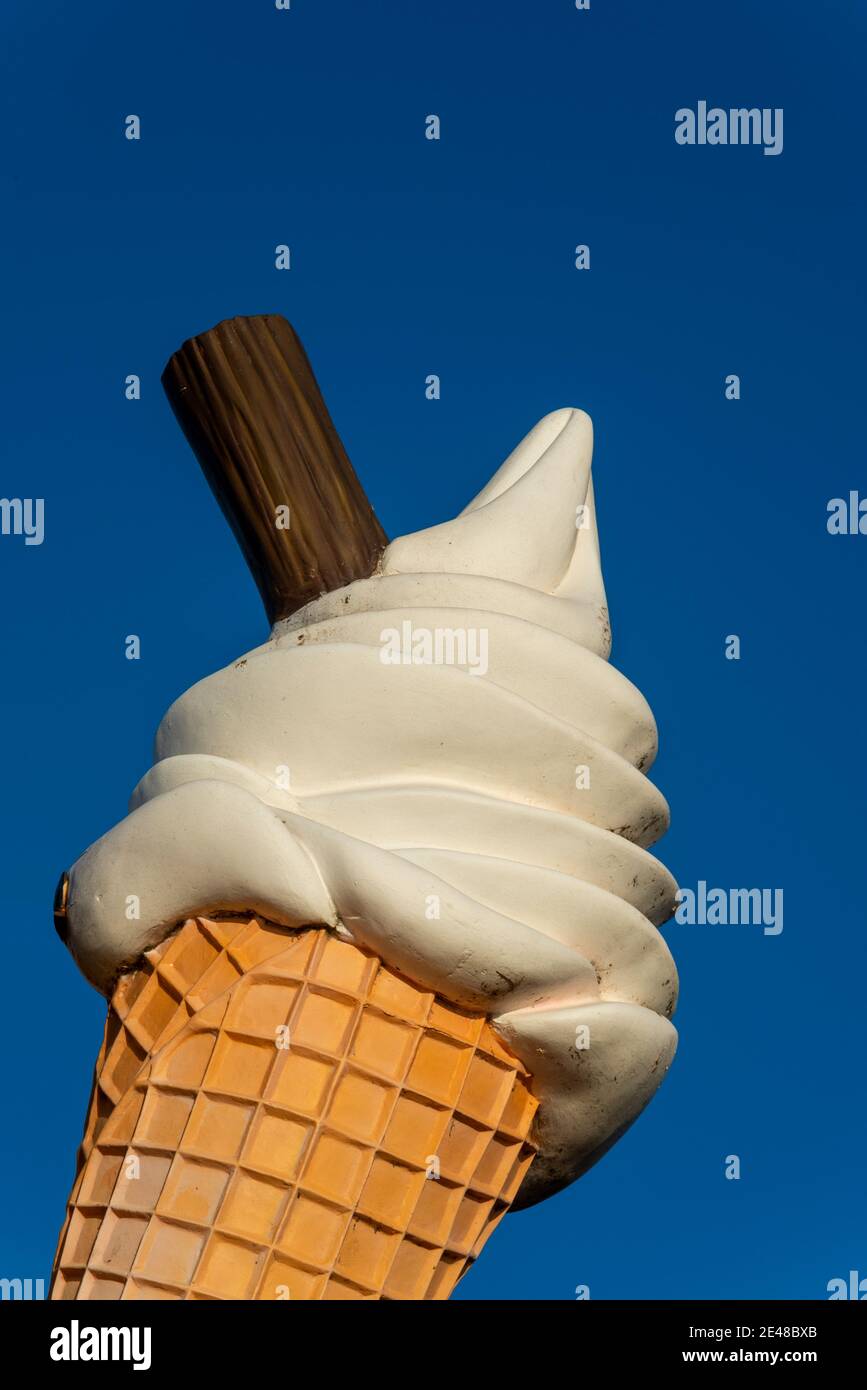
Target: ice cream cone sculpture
[[395, 965]]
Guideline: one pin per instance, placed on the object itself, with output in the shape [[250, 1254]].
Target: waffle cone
[[276, 1114]]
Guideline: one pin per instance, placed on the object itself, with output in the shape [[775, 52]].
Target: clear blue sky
[[412, 257]]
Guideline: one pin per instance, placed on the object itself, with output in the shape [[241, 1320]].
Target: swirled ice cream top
[[440, 763]]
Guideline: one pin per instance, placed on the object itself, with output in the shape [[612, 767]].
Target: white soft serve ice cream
[[480, 826]]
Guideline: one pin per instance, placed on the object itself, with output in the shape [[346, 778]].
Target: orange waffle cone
[[266, 1111]]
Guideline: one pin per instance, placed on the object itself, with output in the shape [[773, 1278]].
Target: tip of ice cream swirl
[[439, 762]]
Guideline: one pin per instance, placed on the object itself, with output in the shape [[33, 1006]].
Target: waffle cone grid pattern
[[266, 1109]]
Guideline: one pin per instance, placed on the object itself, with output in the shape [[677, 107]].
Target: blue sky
[[455, 257]]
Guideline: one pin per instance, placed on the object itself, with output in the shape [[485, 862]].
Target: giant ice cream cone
[[394, 963]]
